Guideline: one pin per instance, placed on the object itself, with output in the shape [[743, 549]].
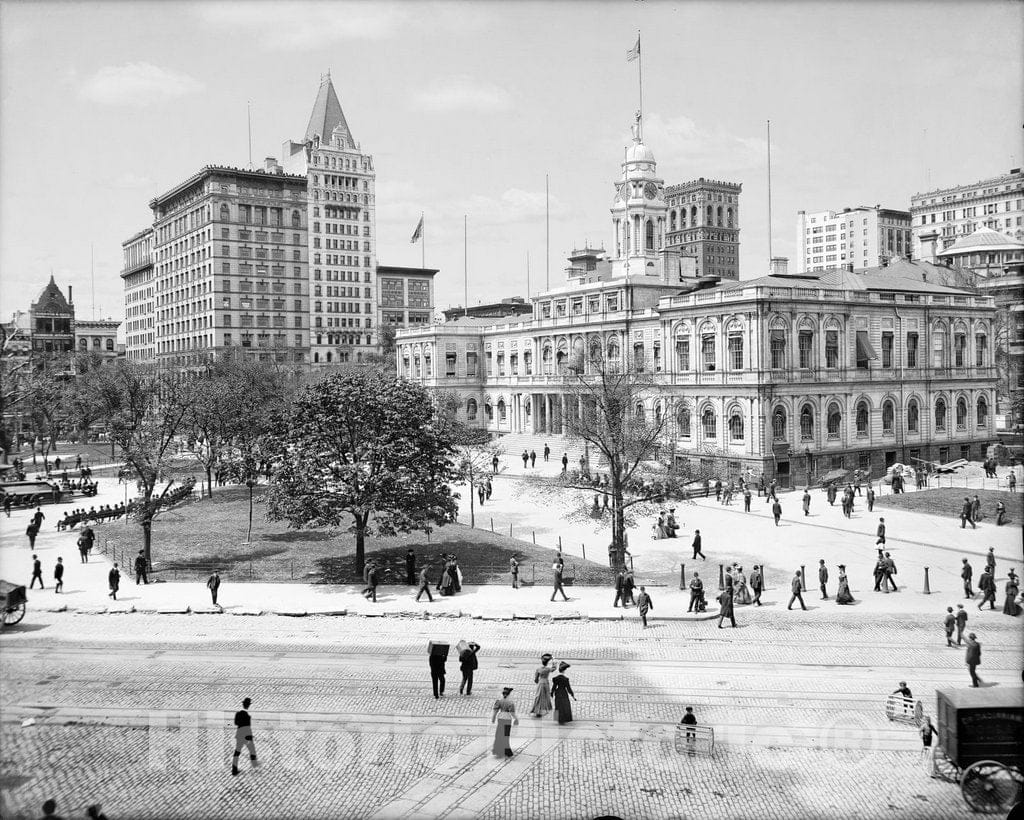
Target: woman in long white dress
[[542, 701]]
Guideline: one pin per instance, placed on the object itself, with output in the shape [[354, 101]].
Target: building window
[[707, 347], [501, 364], [471, 363], [685, 422], [736, 351], [980, 350], [638, 357], [888, 418], [913, 416], [501, 410], [865, 351], [683, 353], [736, 426], [982, 419], [449, 364], [546, 361], [638, 411], [831, 348], [778, 349], [887, 350], [862, 418], [912, 342], [938, 349], [805, 342], [613, 352], [488, 364], [513, 364], [528, 362], [940, 415], [806, 423], [961, 414], [833, 421], [779, 424], [471, 409], [708, 424], [959, 349]]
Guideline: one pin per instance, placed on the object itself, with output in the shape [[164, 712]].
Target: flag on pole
[[634, 52], [418, 232]]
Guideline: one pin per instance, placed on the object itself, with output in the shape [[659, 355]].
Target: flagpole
[[769, 194], [640, 71], [527, 276], [465, 259], [547, 234], [423, 242]]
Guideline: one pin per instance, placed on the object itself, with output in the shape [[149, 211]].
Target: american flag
[[418, 232], [634, 52]]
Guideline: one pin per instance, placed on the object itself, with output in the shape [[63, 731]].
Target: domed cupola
[[639, 209]]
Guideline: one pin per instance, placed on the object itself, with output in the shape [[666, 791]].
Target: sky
[[467, 107]]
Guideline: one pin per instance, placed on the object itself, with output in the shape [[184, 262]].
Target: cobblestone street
[[135, 712]]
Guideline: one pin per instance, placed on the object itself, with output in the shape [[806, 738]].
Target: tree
[[16, 370], [606, 412], [146, 411], [364, 445], [475, 451]]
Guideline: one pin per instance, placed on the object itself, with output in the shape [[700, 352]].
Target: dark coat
[[973, 656]]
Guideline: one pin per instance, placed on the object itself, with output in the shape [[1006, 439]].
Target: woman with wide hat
[[504, 716], [542, 700], [561, 691]]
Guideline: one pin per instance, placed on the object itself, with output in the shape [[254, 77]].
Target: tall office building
[[229, 267], [957, 211], [853, 238], [139, 318], [704, 222], [341, 214]]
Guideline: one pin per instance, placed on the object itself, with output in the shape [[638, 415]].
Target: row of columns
[[543, 412]]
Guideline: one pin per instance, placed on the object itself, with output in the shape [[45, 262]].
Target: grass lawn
[[947, 502], [191, 540]]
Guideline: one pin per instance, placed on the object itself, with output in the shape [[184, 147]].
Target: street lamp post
[[807, 464]]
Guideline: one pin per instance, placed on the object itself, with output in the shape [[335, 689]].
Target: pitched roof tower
[[327, 114]]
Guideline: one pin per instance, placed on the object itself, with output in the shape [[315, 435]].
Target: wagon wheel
[[943, 767], [14, 614], [989, 787]]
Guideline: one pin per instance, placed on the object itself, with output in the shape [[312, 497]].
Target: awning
[[864, 348]]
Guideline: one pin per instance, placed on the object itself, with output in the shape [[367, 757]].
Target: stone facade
[[854, 238], [139, 295]]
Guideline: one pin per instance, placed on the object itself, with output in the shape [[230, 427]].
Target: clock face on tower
[[650, 190]]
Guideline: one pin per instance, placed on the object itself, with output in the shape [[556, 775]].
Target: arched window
[[728, 217], [710, 216], [693, 216], [779, 424], [736, 426], [488, 411], [545, 357], [639, 410], [685, 422], [501, 409], [560, 358], [961, 414], [528, 362], [982, 418], [862, 418], [888, 417], [834, 421], [672, 220], [708, 423], [719, 221], [657, 412], [225, 212], [913, 416], [110, 344], [649, 235], [613, 351], [296, 219], [806, 422], [83, 343], [471, 409], [940, 415]]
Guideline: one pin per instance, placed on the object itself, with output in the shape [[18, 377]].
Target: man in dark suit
[[620, 589], [987, 586], [880, 532], [776, 511], [468, 664], [556, 569], [410, 567], [888, 571], [965, 514], [37, 573], [973, 658], [961, 623], [425, 584], [823, 578], [437, 674], [795, 588], [757, 584], [696, 592], [697, 546]]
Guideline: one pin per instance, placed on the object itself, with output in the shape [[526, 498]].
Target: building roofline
[[136, 236], [1011, 174], [210, 170], [406, 269]]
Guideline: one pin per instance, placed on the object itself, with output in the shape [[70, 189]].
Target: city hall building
[[793, 375]]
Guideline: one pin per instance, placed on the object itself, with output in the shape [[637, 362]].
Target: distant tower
[[638, 212], [704, 222]]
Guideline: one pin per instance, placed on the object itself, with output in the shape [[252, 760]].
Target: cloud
[[136, 84], [462, 93], [679, 142], [301, 25], [131, 182]]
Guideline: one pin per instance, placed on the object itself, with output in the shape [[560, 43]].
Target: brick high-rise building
[[704, 223], [341, 215], [853, 238]]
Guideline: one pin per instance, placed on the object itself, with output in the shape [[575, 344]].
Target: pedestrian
[[367, 567], [990, 562], [533, 458], [697, 546], [965, 515], [718, 489], [494, 464], [961, 623], [58, 575], [213, 584], [32, 531], [871, 498], [807, 501], [50, 810], [561, 691], [967, 573], [696, 593], [37, 572], [726, 608], [620, 589], [526, 460], [542, 696], [771, 490], [513, 566], [823, 578], [888, 571], [565, 462], [880, 532], [547, 451], [987, 587], [488, 488], [757, 583], [643, 604], [746, 498], [481, 492], [1000, 513], [973, 659], [830, 493], [796, 586], [113, 581], [243, 736], [879, 572], [1011, 481], [688, 721], [976, 508], [950, 624], [372, 580], [927, 731], [776, 511], [628, 586], [504, 716], [843, 594], [671, 527], [83, 548], [468, 665], [8, 498], [1012, 589], [556, 569], [37, 518], [425, 584], [140, 568], [410, 567], [437, 672]]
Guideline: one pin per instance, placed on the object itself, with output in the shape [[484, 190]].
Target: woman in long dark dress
[[561, 691], [1010, 606], [843, 596]]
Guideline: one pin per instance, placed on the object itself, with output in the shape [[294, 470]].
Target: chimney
[[779, 265], [929, 247], [271, 166], [70, 300]]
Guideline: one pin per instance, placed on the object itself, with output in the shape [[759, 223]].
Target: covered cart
[[981, 743], [12, 599]]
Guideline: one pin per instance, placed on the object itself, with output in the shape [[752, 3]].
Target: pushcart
[[980, 745], [12, 599]]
